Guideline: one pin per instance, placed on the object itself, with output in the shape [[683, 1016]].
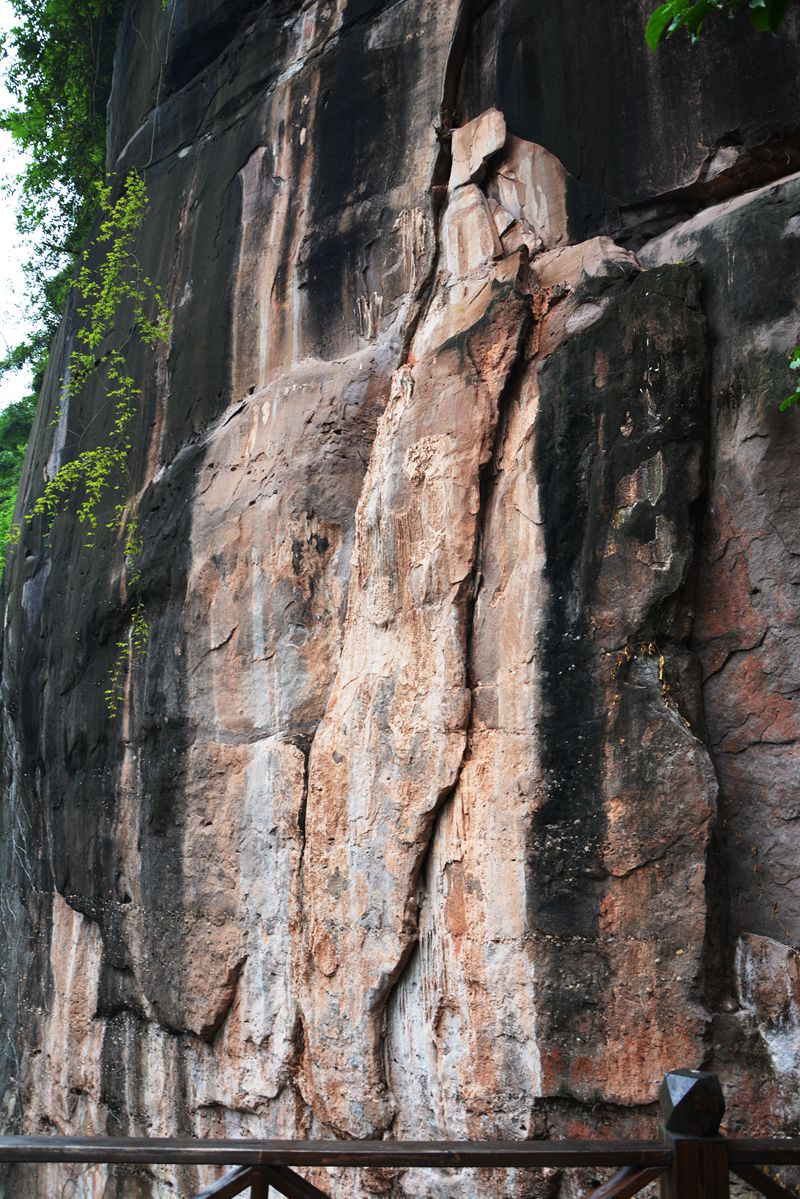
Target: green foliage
[[794, 365], [128, 649], [134, 644], [104, 292], [59, 57], [115, 288], [15, 426], [110, 292], [120, 277], [116, 298], [765, 16]]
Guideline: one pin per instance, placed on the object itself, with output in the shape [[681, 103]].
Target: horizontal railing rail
[[692, 1161], [182, 1151], [189, 1151]]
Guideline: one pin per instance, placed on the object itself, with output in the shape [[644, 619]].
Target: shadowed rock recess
[[470, 562]]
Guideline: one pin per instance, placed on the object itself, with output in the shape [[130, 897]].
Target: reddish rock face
[[454, 794]]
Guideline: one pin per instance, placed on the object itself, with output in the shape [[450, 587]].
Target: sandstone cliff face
[[470, 565]]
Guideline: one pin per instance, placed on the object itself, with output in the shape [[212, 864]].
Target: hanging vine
[[114, 293], [117, 283]]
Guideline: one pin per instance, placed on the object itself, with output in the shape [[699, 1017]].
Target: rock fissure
[[453, 67], [760, 743]]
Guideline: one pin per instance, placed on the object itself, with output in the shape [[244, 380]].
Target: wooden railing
[[692, 1161]]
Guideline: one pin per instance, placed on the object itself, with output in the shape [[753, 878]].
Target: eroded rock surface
[[454, 793]]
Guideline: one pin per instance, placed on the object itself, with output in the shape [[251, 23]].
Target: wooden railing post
[[259, 1187], [693, 1106]]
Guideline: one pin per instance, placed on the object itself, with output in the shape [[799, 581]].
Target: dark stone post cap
[[691, 1102]]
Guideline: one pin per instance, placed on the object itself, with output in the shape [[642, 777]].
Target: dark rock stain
[[581, 458], [297, 555], [201, 32], [568, 825]]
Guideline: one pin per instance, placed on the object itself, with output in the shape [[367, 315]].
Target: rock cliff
[[456, 791]]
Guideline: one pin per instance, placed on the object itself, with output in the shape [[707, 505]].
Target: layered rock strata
[[469, 566]]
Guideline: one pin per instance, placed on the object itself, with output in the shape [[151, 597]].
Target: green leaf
[[766, 15], [696, 15], [665, 15]]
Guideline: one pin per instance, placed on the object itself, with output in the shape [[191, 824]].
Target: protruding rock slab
[[469, 235], [532, 185], [473, 145]]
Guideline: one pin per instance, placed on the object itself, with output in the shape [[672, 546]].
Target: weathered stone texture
[[469, 705], [749, 585]]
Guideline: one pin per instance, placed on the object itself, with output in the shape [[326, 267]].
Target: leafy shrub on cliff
[[15, 427], [116, 300], [58, 60], [114, 296]]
